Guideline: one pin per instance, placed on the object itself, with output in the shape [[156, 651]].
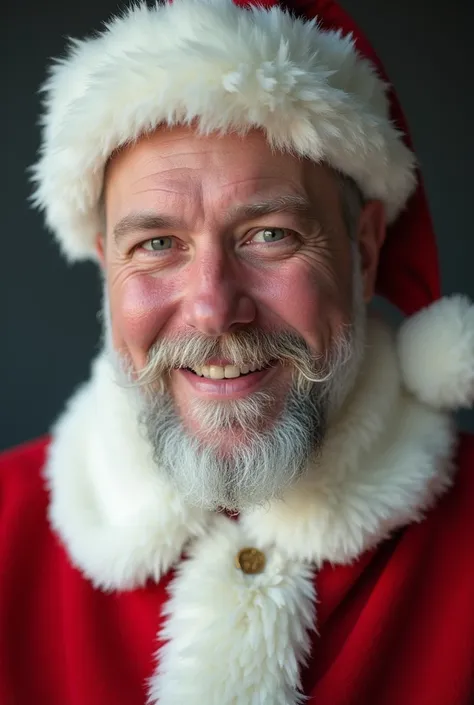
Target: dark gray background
[[49, 327]]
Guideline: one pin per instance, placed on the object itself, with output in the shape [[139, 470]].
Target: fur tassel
[[436, 352]]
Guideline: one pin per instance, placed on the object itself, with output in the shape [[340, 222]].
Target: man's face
[[212, 239]]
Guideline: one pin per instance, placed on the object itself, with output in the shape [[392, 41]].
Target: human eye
[[269, 235], [157, 244]]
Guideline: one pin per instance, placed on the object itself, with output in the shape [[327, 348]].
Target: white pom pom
[[436, 352]]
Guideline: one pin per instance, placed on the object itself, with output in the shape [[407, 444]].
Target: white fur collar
[[233, 638], [385, 459]]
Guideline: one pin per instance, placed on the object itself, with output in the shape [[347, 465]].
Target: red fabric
[[408, 274], [61, 641], [395, 628]]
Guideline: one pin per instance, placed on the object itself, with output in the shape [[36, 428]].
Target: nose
[[216, 301]]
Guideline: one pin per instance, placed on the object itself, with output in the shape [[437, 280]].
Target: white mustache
[[251, 346]]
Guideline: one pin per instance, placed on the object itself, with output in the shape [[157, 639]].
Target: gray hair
[[352, 202]]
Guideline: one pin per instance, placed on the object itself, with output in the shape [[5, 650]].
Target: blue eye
[[270, 235], [158, 244]]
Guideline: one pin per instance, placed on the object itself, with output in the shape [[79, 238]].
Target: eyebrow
[[287, 203], [134, 222]]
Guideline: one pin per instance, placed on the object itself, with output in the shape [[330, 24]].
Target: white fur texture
[[436, 350], [228, 69], [235, 639], [121, 522], [384, 460]]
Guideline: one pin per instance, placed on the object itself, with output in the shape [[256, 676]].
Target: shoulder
[[23, 463], [466, 450], [24, 455], [452, 519], [462, 494], [20, 470], [23, 494]]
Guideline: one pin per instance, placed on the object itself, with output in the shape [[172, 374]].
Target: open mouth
[[227, 371]]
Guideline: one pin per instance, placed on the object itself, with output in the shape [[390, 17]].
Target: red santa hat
[[303, 73]]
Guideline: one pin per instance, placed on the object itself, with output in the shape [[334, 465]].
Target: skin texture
[[216, 271]]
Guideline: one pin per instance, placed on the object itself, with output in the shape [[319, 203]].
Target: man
[[259, 495]]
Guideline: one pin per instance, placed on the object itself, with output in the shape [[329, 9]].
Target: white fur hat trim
[[227, 69]]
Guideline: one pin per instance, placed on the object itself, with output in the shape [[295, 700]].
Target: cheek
[[313, 305], [140, 307]]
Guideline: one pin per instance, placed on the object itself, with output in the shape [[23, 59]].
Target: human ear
[[370, 237], [100, 249]]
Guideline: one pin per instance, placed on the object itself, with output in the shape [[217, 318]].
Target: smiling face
[[228, 266]]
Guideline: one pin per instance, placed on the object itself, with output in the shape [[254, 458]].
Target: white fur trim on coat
[[383, 464], [120, 520], [232, 638], [228, 69]]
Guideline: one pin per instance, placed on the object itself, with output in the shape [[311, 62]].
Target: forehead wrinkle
[[168, 177]]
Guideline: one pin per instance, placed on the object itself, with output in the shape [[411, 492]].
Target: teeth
[[227, 372], [216, 372], [231, 371]]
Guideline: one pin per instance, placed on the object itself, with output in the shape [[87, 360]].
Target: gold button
[[250, 560]]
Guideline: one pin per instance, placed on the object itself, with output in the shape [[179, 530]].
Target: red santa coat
[[395, 626]]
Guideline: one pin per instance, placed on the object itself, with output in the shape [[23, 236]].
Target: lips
[[225, 388]]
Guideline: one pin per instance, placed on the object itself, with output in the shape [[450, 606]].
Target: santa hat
[[301, 71]]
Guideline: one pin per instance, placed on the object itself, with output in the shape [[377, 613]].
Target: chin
[[226, 442], [235, 457], [222, 424]]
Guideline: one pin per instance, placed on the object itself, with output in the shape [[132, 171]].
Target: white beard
[[267, 458]]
